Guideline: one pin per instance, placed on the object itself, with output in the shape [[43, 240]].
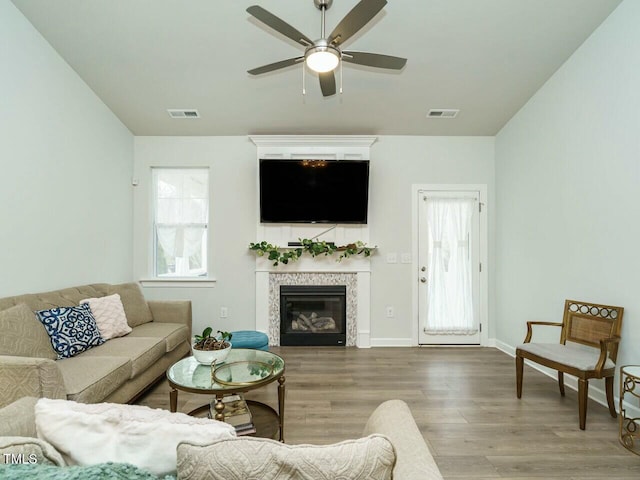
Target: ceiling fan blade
[[275, 66], [374, 60], [357, 18], [327, 83], [279, 25]]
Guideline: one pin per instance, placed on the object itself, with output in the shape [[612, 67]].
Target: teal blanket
[[103, 471]]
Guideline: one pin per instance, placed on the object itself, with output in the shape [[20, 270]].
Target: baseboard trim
[[408, 342], [596, 394]]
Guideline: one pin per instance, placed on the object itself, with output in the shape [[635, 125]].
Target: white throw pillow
[[368, 458], [109, 314], [87, 434]]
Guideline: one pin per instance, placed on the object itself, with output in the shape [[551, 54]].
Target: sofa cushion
[[18, 419], [90, 379], [572, 355], [67, 297], [135, 306], [111, 432], [141, 351], [29, 377], [173, 333], [372, 457], [109, 314], [28, 449], [72, 329], [23, 335]]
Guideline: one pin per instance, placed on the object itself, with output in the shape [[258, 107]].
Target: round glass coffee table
[[242, 371]]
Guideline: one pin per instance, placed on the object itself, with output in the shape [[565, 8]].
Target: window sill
[[183, 282]]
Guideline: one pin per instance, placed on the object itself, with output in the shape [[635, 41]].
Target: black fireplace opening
[[313, 315]]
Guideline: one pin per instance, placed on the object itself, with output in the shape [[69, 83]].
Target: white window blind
[[181, 221]]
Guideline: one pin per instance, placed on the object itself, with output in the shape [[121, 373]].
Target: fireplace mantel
[[338, 147]]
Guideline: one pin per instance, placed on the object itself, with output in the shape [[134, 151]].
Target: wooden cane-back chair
[[584, 323]]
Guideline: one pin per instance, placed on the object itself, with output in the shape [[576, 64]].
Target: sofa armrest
[[19, 419], [413, 458], [29, 377], [176, 311]]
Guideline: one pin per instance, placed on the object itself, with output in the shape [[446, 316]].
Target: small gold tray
[[245, 373]]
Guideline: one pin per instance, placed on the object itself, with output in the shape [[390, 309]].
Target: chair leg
[[608, 382], [519, 370], [561, 382], [583, 392]]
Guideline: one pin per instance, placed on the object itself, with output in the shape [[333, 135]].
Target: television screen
[[314, 191]]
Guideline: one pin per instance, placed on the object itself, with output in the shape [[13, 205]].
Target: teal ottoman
[[250, 339]]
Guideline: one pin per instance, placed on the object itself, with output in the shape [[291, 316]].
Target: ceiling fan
[[325, 54]]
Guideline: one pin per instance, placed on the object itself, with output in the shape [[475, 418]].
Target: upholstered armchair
[[588, 349]]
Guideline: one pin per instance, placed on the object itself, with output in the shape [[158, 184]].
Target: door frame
[[483, 292]]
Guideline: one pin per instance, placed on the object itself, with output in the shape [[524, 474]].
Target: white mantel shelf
[[308, 264]]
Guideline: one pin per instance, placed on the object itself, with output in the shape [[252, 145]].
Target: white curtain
[[181, 241], [181, 216], [449, 293]]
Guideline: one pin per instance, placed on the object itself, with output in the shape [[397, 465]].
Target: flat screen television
[[314, 191]]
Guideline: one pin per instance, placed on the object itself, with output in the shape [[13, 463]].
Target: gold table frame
[[219, 390], [629, 426]]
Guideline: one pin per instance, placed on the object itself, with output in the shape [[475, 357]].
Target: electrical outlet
[[390, 312], [224, 312]]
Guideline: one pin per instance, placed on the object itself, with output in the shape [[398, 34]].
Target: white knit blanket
[[87, 434]]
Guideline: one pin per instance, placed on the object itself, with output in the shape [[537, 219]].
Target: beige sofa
[[117, 371], [392, 418]]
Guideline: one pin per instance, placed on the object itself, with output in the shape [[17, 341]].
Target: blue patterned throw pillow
[[72, 329]]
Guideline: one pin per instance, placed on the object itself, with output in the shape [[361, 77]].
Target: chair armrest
[[29, 377], [19, 418], [527, 339], [604, 351], [413, 458], [176, 311]]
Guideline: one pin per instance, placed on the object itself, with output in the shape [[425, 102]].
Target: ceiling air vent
[[183, 113], [442, 113]]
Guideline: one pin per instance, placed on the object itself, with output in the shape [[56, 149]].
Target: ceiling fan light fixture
[[322, 59]]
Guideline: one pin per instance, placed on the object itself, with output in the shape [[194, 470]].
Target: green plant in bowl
[[208, 349]]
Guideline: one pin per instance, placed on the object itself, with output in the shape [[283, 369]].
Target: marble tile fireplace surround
[[357, 285], [353, 273], [278, 280]]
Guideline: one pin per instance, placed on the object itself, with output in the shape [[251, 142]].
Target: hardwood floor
[[464, 401]]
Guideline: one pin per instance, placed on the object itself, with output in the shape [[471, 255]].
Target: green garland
[[313, 248]]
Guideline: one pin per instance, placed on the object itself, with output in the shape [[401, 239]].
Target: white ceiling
[[484, 57]]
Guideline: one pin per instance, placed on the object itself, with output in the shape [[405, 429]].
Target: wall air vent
[[183, 113], [442, 113]]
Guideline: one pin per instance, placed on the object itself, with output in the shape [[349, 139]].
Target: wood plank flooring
[[464, 402]]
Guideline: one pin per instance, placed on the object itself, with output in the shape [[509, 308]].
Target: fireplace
[[313, 314]]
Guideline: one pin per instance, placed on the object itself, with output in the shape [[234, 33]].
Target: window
[[181, 221]]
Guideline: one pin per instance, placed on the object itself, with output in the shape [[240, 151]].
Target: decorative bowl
[[206, 357]]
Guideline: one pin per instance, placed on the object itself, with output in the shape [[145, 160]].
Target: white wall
[[233, 216], [396, 164], [567, 177], [65, 166]]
